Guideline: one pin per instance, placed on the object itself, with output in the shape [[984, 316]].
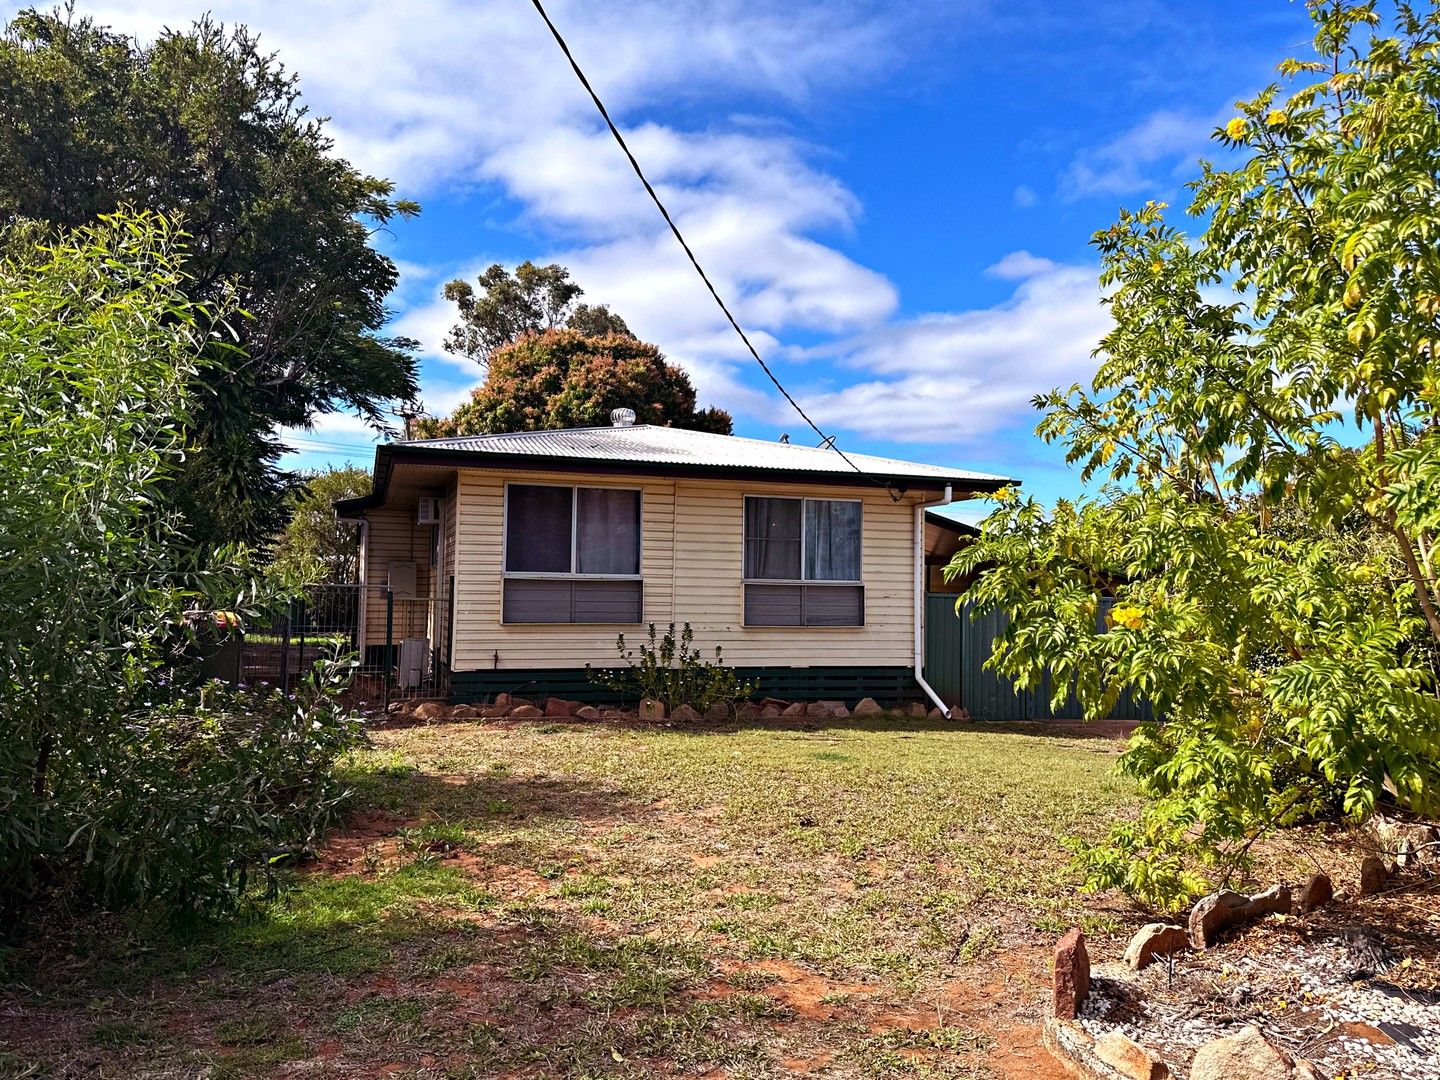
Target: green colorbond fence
[[956, 648]]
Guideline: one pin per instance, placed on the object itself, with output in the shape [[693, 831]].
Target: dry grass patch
[[858, 899]]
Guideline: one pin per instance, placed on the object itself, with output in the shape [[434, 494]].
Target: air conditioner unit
[[428, 512]]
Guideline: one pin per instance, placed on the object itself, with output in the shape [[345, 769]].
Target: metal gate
[[957, 645], [399, 646]]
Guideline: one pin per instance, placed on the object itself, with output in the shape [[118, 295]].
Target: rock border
[[506, 705]]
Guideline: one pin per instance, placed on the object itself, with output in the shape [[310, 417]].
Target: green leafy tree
[[115, 777], [316, 547], [509, 306], [208, 129], [561, 378], [1267, 394]]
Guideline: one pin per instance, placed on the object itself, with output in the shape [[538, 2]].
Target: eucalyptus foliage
[[1266, 428], [316, 547], [118, 781]]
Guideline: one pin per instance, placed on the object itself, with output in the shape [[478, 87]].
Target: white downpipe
[[363, 598], [920, 598]]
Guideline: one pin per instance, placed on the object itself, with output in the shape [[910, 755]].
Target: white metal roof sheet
[[652, 444]]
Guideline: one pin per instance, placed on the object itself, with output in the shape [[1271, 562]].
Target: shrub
[[671, 670], [211, 790], [116, 778]]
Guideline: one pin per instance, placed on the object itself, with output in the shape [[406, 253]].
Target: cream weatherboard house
[[530, 552]]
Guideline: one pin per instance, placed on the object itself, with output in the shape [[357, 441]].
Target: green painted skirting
[[887, 685]]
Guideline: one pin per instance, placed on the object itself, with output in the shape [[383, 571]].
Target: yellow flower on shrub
[[1236, 127], [1127, 616]]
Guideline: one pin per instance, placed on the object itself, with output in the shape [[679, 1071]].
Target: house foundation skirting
[[887, 685]]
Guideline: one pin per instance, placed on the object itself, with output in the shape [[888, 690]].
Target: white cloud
[[1142, 158], [958, 377], [442, 96], [1019, 265], [426, 92], [1025, 197]]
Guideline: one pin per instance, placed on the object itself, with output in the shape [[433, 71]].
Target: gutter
[[920, 597]]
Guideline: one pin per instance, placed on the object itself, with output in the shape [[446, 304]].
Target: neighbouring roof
[[944, 521], [656, 450]]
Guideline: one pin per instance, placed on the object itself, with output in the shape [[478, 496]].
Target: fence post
[[300, 656], [450, 625], [389, 635], [285, 650]]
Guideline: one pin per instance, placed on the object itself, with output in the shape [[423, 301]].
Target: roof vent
[[622, 417]]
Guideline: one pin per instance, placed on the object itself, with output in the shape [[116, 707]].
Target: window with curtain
[[572, 555], [813, 546]]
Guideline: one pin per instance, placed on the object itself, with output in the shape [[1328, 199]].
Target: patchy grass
[[866, 898]]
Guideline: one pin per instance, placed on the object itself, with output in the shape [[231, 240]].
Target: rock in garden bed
[[1350, 990]]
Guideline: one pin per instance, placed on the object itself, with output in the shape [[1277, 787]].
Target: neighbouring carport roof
[[649, 449]]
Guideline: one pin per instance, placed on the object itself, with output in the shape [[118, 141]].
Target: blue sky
[[897, 199]]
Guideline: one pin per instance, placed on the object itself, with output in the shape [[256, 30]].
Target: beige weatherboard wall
[[693, 489], [692, 567]]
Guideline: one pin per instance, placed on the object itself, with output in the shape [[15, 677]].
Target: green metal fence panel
[[944, 643], [989, 696], [957, 645]]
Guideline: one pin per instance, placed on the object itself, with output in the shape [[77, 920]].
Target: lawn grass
[[862, 898]]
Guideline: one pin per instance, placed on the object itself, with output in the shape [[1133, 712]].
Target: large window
[[572, 555], [802, 562]]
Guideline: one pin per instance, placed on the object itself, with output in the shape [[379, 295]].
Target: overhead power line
[[825, 440]]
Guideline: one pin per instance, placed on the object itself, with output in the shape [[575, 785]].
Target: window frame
[[573, 573], [804, 548], [803, 582]]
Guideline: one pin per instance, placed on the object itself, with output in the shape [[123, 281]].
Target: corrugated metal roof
[[648, 444]]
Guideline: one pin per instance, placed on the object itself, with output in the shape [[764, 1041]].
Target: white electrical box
[[402, 580], [414, 662]]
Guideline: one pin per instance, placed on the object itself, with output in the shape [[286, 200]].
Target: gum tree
[[1264, 426]]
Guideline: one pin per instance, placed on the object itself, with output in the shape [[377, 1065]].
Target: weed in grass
[[392, 765], [444, 958], [119, 1034], [381, 1018], [583, 885], [752, 901], [254, 1029], [941, 1052], [751, 979], [769, 944], [691, 1036], [982, 941], [250, 1061], [434, 836], [484, 1039]]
